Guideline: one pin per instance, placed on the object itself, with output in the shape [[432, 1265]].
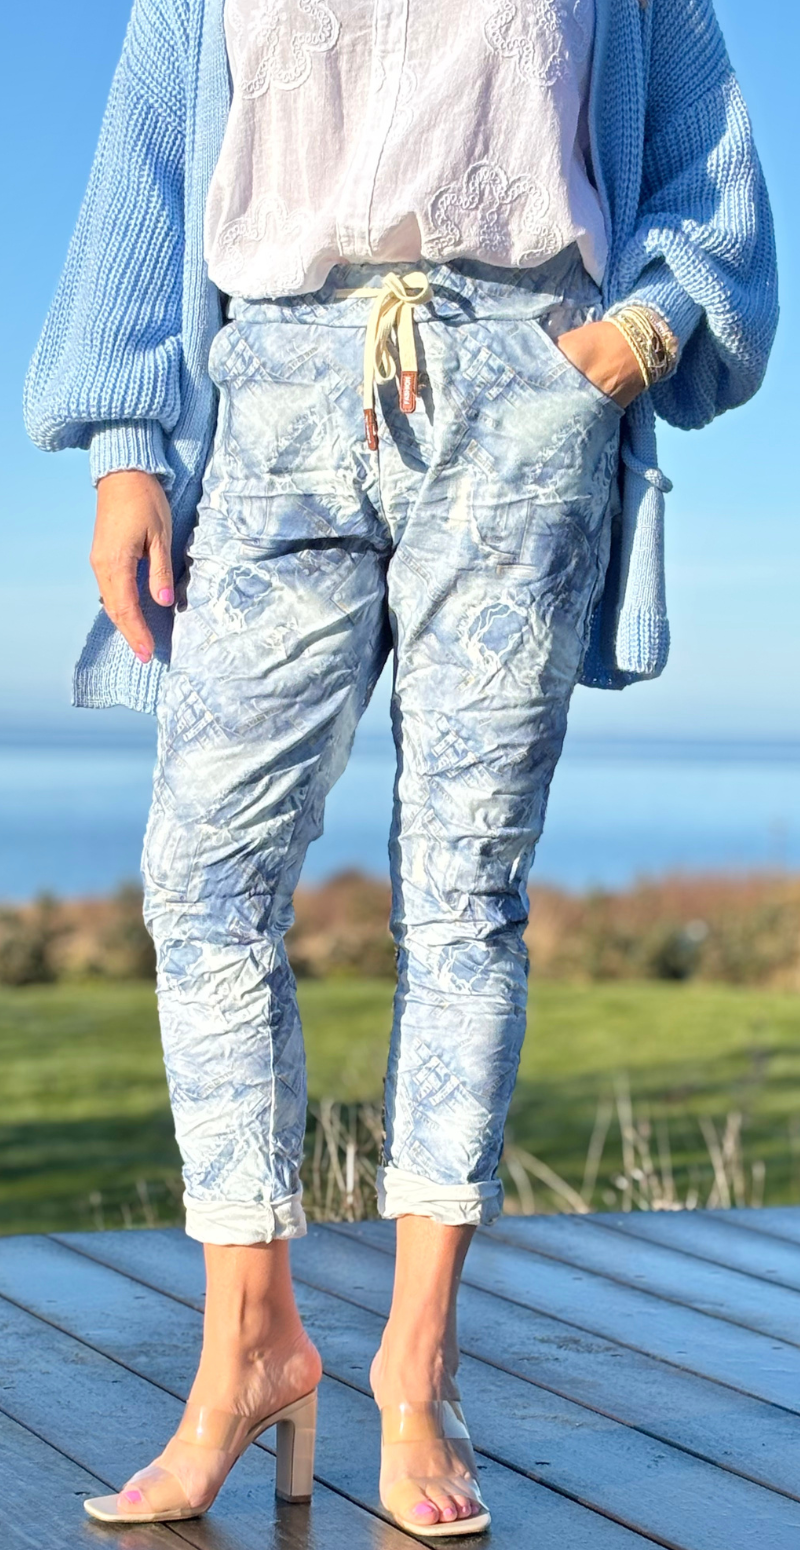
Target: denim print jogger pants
[[471, 546]]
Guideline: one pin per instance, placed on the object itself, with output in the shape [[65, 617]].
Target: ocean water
[[74, 794]]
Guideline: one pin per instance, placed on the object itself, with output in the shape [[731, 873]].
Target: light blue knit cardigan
[[121, 365]]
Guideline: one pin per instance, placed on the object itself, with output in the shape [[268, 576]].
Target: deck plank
[[650, 1487], [721, 1425], [727, 1353], [723, 1293], [711, 1235], [93, 1302], [40, 1504], [777, 1221], [629, 1381]]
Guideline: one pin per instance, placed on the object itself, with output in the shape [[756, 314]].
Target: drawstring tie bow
[[391, 314]]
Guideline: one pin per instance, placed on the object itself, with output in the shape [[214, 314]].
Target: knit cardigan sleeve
[[106, 373], [703, 247]]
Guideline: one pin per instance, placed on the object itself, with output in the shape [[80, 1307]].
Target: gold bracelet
[[650, 339]]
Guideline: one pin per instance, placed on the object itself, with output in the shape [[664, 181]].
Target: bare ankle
[[254, 1331], [250, 1297], [413, 1365]]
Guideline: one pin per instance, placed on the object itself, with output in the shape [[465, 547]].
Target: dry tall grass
[[646, 1181], [343, 1145]]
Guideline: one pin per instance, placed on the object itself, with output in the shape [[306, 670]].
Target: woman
[[366, 319]]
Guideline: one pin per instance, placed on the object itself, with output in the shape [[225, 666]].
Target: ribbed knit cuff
[[642, 646], [659, 289], [116, 445]]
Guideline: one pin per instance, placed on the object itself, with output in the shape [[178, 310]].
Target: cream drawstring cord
[[391, 312]]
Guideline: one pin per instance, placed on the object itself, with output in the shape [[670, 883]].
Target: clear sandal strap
[[423, 1421], [155, 1488], [209, 1428]]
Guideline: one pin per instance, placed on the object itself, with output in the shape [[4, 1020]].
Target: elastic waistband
[[463, 290]]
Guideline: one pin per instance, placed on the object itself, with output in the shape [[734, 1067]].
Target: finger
[[121, 602], [161, 584]]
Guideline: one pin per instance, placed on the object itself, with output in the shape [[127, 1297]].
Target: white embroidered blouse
[[389, 130]]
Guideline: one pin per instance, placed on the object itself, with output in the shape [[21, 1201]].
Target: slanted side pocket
[[604, 400]]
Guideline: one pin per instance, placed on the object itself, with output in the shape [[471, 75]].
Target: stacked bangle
[[650, 338]]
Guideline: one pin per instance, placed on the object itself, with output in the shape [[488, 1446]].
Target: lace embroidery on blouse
[[268, 219], [394, 130], [480, 198], [270, 49], [406, 100], [533, 33]]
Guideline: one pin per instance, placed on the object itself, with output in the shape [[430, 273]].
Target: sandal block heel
[[297, 1431]]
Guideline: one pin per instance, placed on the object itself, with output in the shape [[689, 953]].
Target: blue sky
[[733, 543]]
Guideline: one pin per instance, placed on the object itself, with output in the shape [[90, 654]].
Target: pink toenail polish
[[423, 1507], [132, 1496]]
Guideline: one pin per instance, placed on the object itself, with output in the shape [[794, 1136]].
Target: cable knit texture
[[121, 365]]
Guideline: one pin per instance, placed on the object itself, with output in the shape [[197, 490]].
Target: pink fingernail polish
[[144, 656], [166, 595]]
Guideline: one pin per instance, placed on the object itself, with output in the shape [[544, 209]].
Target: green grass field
[[86, 1134]]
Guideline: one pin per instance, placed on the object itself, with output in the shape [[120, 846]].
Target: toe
[[443, 1500], [411, 1500], [424, 1511]]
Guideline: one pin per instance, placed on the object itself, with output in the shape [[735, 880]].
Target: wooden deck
[[629, 1381]]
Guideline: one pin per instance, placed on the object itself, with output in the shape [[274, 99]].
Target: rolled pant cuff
[[401, 1193], [239, 1222]]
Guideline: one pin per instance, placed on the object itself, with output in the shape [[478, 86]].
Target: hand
[[602, 354], [133, 520]]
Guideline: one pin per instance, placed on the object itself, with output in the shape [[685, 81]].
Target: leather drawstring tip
[[408, 391], [371, 428]]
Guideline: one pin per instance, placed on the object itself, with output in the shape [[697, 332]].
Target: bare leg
[[418, 1360], [256, 1354]]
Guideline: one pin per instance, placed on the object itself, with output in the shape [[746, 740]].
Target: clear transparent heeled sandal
[[436, 1420], [155, 1494]]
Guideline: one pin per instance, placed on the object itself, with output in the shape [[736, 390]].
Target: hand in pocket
[[599, 352]]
